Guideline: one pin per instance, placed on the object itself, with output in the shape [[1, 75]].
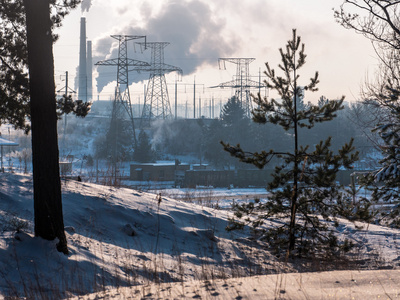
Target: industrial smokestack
[[89, 71], [82, 76]]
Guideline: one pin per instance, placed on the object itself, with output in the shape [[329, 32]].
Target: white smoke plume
[[194, 32], [85, 5]]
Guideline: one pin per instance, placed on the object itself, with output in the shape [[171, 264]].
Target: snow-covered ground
[[221, 198], [322, 285], [126, 240]]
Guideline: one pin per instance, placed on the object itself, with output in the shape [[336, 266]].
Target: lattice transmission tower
[[242, 82], [122, 99], [156, 104]]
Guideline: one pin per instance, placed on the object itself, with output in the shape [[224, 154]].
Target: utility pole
[[66, 87], [66, 83], [144, 99], [213, 107], [66, 90], [176, 100], [199, 107], [194, 97], [194, 85]]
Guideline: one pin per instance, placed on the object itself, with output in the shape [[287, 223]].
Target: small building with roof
[[161, 171]]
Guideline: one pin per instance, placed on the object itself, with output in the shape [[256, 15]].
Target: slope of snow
[[117, 237], [121, 237], [322, 285]]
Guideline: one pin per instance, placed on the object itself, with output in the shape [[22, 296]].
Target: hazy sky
[[201, 31]]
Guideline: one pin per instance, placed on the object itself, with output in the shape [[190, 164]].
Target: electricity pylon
[[122, 95], [156, 104], [241, 82], [122, 99]]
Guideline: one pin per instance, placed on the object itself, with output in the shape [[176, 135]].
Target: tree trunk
[[49, 222]]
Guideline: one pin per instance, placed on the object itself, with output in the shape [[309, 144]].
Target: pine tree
[[235, 126], [234, 121], [143, 152], [119, 141], [65, 105], [303, 194], [14, 83], [232, 112], [379, 23], [213, 152], [385, 182], [26, 47]]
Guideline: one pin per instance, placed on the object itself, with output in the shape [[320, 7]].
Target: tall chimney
[[82, 76], [89, 71]]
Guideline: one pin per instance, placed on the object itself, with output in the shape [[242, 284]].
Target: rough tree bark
[[49, 222]]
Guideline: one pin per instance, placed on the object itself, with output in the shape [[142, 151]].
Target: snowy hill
[[121, 237]]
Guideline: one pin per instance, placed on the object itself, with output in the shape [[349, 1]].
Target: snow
[[223, 198], [4, 142], [122, 241], [321, 285]]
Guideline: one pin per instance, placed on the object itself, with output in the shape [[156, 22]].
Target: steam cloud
[[85, 5], [194, 34]]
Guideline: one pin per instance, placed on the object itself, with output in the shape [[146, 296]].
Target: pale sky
[[201, 31]]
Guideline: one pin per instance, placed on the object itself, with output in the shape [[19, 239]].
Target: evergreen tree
[[118, 142], [14, 83], [303, 194], [385, 182], [379, 22], [26, 48], [65, 105], [232, 112], [143, 152], [235, 125], [234, 121], [213, 152]]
